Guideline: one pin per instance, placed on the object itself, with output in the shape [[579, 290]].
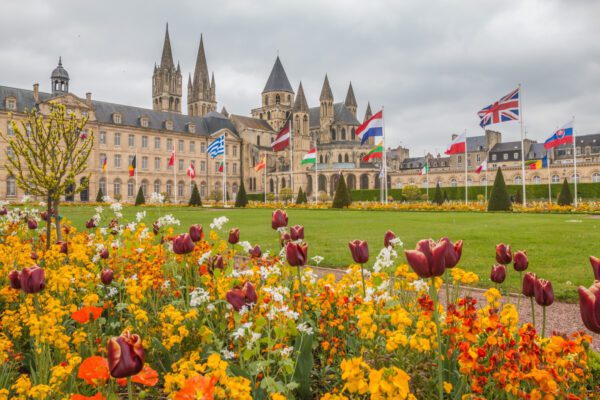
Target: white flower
[[131, 226], [396, 242], [157, 198], [227, 355], [112, 291], [420, 285], [139, 250], [116, 207], [140, 216], [99, 210], [168, 219], [199, 296], [116, 244], [317, 259], [238, 334], [134, 277], [210, 307], [219, 222], [286, 351], [144, 234], [304, 327], [204, 257], [246, 245]]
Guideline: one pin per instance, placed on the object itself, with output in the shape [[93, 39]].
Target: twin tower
[[167, 84]]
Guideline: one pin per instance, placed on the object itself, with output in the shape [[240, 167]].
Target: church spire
[[278, 80], [326, 93], [201, 97], [166, 61], [201, 70], [300, 105], [213, 93], [166, 81], [351, 100], [368, 113]]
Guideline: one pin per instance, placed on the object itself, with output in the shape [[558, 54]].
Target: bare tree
[[48, 153]]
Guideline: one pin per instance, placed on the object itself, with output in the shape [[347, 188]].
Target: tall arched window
[[518, 180], [555, 179], [332, 133], [130, 188], [117, 187], [343, 133], [339, 158], [11, 186], [145, 187], [157, 186], [537, 179], [169, 188], [277, 99], [453, 182], [346, 158], [596, 177], [180, 189]]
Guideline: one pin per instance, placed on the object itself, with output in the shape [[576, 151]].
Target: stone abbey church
[[122, 132]]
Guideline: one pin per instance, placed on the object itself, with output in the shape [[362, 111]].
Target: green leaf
[[304, 365]]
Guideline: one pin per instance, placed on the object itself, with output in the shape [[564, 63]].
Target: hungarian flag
[[310, 157], [282, 140], [172, 159], [261, 164], [482, 167], [221, 166], [425, 169], [132, 166], [191, 171], [458, 145], [539, 164], [375, 152], [104, 164]]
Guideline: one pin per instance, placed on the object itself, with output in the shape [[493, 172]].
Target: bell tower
[[166, 81], [202, 97]]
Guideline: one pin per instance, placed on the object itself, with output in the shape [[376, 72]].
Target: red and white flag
[[191, 171], [458, 145], [482, 167], [282, 140], [221, 167], [172, 159]]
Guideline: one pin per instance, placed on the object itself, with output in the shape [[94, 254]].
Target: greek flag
[[217, 147]]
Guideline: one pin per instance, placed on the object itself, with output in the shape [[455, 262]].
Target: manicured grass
[[558, 245]]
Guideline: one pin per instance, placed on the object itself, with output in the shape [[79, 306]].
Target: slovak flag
[[172, 159], [482, 167], [371, 128], [562, 136], [458, 145], [191, 171]]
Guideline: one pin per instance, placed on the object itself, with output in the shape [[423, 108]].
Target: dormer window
[[144, 122], [11, 103], [117, 118], [169, 125], [191, 128]]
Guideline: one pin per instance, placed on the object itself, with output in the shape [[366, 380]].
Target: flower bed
[[131, 308]]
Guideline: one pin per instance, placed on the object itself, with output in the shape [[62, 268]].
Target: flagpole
[[106, 172], [265, 185], [427, 178], [291, 157], [316, 175], [385, 190], [522, 147], [575, 161], [174, 188], [466, 170], [549, 177], [486, 181], [224, 171], [136, 175]]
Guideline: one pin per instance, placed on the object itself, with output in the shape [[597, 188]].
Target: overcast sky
[[432, 64]]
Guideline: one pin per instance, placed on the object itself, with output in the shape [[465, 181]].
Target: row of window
[[181, 164], [131, 142], [157, 187]]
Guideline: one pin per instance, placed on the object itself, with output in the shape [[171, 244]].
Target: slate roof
[[536, 151], [278, 80], [506, 146], [476, 143], [252, 123], [413, 163], [341, 115], [592, 140]]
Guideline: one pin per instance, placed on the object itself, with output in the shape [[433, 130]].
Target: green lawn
[[558, 245]]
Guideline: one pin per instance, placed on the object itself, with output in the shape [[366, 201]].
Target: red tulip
[[15, 279], [3, 211], [429, 258], [215, 262], [234, 235], [296, 254], [66, 229], [503, 255], [44, 216], [155, 228], [543, 293], [125, 355], [64, 247], [528, 284], [104, 254], [359, 250], [238, 297], [32, 223], [106, 276], [284, 238], [595, 261], [521, 262], [250, 293], [498, 274], [33, 279], [183, 244], [196, 233], [279, 219], [91, 223], [589, 306], [388, 237], [453, 253], [34, 256], [297, 232], [255, 251]]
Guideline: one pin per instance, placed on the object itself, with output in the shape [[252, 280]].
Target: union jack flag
[[505, 109]]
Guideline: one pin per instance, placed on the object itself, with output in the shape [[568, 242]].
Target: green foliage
[[286, 194], [446, 196], [304, 365], [241, 200], [140, 199], [341, 199], [301, 197], [270, 196], [565, 198], [499, 200], [438, 197], [195, 199], [99, 196], [216, 195], [519, 196], [411, 192], [323, 196]]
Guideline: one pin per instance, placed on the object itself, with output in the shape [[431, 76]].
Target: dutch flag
[[371, 128]]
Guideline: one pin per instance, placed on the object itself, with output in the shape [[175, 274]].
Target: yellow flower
[[447, 387]]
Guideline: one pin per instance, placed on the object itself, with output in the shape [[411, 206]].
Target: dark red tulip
[[297, 232], [114, 226], [91, 223], [387, 238], [255, 251], [44, 216], [238, 297], [543, 293], [34, 256], [183, 244], [453, 252], [595, 261], [234, 235], [589, 306], [106, 276], [296, 254], [359, 250], [250, 293], [215, 262], [528, 284], [196, 233], [104, 254], [15, 279], [520, 260], [66, 229], [64, 247], [33, 279], [3, 211], [284, 238], [32, 223], [498, 274], [155, 228], [125, 355], [429, 258], [503, 255], [279, 219]]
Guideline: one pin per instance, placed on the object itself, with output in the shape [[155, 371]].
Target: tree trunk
[[49, 222], [58, 220]]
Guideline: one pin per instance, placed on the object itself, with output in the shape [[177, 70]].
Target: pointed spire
[[190, 80], [300, 105], [178, 67], [278, 80], [350, 99], [201, 70], [326, 93], [212, 87], [368, 113], [60, 61], [166, 61]]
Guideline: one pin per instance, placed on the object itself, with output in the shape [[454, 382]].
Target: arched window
[[453, 182], [332, 133], [180, 189], [320, 159], [11, 186], [555, 179], [102, 186], [353, 134], [266, 101], [576, 178], [440, 183], [339, 158], [258, 140], [537, 179], [596, 177], [277, 99], [130, 188], [203, 189], [518, 180], [234, 189], [117, 187], [484, 181], [169, 188], [157, 186], [145, 187], [346, 158], [343, 133]]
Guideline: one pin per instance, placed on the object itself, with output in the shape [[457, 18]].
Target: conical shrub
[[341, 198], [565, 198], [499, 200], [140, 199], [241, 200], [195, 199]]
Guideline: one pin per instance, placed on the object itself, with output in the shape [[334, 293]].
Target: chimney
[[36, 92], [88, 98]]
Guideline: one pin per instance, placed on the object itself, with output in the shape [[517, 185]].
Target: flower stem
[[301, 290], [519, 294], [532, 311], [129, 389], [436, 319], [544, 321], [362, 275]]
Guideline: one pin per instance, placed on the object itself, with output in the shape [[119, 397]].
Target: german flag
[[132, 166]]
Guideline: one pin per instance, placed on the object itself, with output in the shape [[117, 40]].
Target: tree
[[286, 194], [341, 198], [301, 197], [140, 199], [241, 200], [437, 197], [49, 152], [195, 197], [565, 198], [499, 200], [411, 192], [99, 196]]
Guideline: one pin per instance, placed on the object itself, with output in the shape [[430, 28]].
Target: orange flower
[[97, 396], [83, 314], [94, 370], [147, 377], [197, 388]]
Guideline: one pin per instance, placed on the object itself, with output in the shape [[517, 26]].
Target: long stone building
[[122, 132]]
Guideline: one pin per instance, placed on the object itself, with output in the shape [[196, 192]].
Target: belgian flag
[[132, 166]]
